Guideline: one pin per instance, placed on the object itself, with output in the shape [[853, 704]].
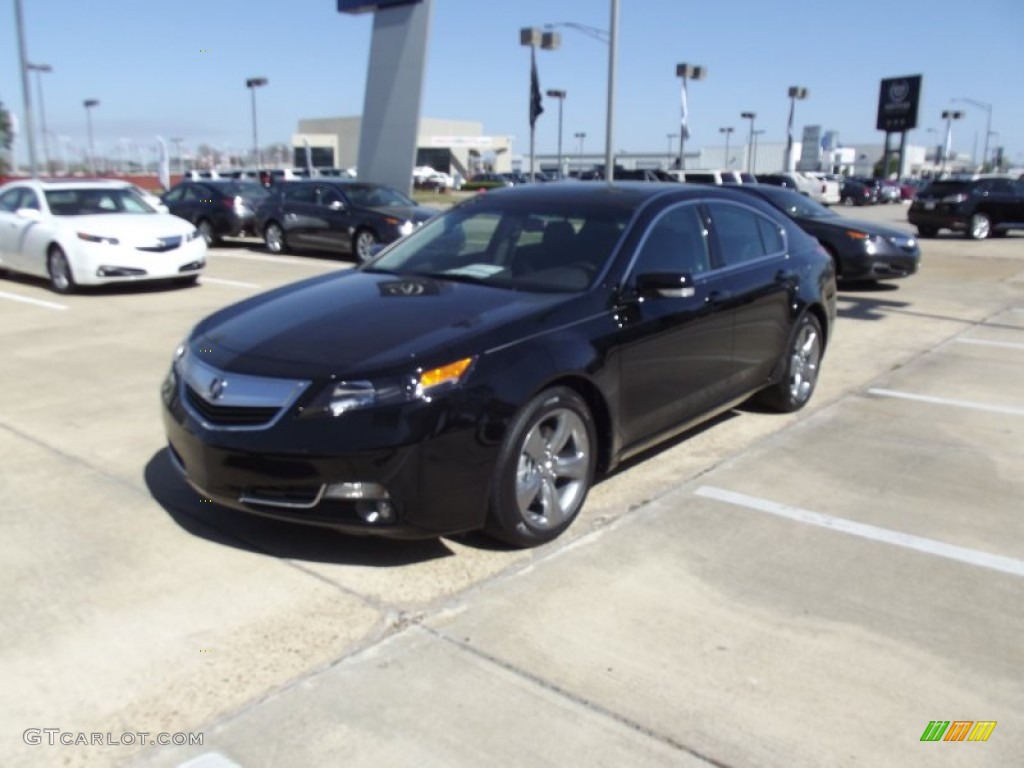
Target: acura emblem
[[216, 388]]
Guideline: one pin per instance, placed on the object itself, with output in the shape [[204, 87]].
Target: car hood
[[127, 226], [415, 213], [870, 227], [366, 323]]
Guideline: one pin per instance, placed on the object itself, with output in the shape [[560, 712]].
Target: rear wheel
[[206, 229], [61, 278], [979, 227], [544, 470], [275, 238], [800, 368]]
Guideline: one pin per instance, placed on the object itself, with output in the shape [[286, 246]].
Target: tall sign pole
[[898, 100]]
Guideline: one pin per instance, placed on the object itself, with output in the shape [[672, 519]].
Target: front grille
[[163, 245], [229, 415]]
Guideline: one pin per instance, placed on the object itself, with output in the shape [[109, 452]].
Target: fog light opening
[[356, 491], [376, 511]]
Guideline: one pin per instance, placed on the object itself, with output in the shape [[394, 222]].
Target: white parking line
[[1008, 409], [37, 302], [987, 343], [273, 259], [235, 283], [897, 538], [209, 760]]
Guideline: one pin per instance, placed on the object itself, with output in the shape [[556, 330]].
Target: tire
[[61, 278], [544, 470], [209, 234], [979, 227], [801, 365], [362, 241], [275, 238], [927, 231], [847, 201]]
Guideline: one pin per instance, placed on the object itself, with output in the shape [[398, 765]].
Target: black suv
[[978, 207]]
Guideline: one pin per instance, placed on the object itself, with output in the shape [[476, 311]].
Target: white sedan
[[92, 233]]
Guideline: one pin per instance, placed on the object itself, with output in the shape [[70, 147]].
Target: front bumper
[[431, 458], [100, 263]]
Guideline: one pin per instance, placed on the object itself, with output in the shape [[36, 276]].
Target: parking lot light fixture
[[988, 124], [756, 134], [89, 104], [560, 95], [252, 84], [949, 115], [795, 92], [727, 130], [687, 72], [751, 116], [532, 37], [580, 136]]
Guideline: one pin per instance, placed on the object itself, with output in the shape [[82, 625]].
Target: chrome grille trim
[[246, 498]]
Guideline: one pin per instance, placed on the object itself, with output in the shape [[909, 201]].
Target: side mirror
[[29, 213], [337, 205], [668, 285]]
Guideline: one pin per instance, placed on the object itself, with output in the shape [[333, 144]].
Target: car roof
[[625, 194], [47, 185]]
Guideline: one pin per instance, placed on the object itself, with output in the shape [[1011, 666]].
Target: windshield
[[86, 201], [250, 189], [539, 247], [794, 204], [373, 196]]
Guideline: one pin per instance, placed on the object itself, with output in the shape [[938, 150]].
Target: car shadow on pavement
[[291, 541]]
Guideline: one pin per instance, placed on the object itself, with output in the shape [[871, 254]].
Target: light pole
[[727, 130], [39, 69], [531, 37], [671, 137], [751, 116], [177, 141], [753, 165], [252, 84], [581, 136], [26, 91], [560, 95], [687, 72], [89, 104], [988, 124], [949, 115], [795, 92], [984, 160]]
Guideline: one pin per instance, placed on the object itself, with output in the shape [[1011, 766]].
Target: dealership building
[[451, 146]]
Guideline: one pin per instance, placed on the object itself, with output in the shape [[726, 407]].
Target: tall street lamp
[[560, 95], [988, 123], [39, 69], [795, 92], [531, 37], [671, 137], [177, 141], [89, 104], [753, 164], [581, 136], [687, 72], [252, 84], [727, 130], [750, 141], [949, 115]]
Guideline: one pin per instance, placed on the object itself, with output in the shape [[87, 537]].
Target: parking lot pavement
[[670, 623]]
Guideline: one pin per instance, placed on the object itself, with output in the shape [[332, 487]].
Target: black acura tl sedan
[[862, 250], [481, 372]]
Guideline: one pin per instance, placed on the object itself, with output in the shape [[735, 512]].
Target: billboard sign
[[810, 149], [365, 6], [897, 103]]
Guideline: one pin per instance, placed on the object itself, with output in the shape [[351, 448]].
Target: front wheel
[[362, 244], [544, 470], [208, 233], [275, 238], [61, 278], [979, 227], [801, 365]]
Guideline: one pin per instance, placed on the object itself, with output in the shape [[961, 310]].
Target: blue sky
[[179, 68]]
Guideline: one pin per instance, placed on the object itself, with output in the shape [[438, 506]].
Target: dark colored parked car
[[862, 250], [218, 207], [978, 208], [336, 215], [486, 181], [482, 371], [857, 193]]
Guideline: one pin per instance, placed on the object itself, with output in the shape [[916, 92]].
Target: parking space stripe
[[235, 283], [209, 760], [885, 535], [987, 343], [36, 302], [1008, 409]]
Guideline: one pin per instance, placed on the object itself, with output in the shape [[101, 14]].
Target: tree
[[6, 138]]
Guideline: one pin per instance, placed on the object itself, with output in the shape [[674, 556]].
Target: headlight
[[343, 396], [406, 227], [97, 238]]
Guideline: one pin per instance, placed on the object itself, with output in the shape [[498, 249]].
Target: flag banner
[[164, 171], [683, 128], [309, 156], [535, 102]]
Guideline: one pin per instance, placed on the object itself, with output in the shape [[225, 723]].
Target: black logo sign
[[897, 103]]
